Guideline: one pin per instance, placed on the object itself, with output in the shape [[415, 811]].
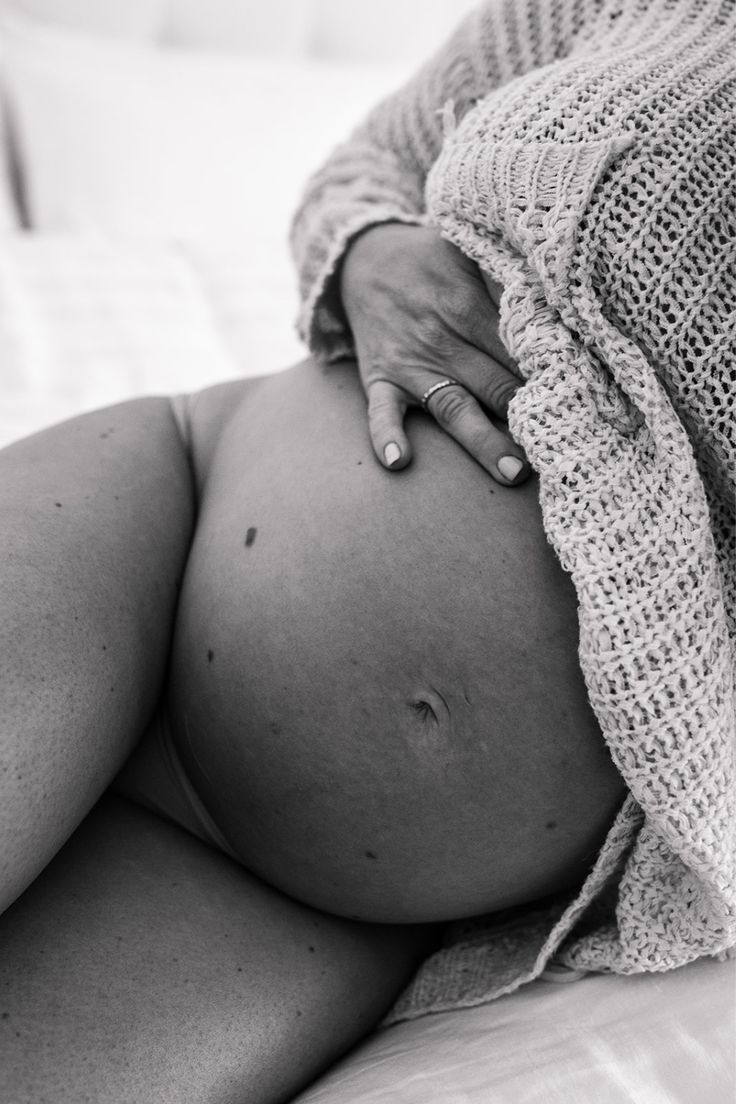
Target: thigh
[[96, 522], [143, 965]]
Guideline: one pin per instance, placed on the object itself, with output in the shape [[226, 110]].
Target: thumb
[[386, 409]]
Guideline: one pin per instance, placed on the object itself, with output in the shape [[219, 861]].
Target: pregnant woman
[[273, 713], [366, 703]]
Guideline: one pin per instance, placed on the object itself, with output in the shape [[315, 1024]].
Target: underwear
[[154, 777]]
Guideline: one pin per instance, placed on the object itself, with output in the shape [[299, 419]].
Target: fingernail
[[510, 466], [392, 453]]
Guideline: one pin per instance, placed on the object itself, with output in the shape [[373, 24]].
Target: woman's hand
[[422, 314]]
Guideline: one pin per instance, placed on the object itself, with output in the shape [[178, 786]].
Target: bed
[[152, 154]]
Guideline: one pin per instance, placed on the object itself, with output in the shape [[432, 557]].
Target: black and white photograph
[[368, 552]]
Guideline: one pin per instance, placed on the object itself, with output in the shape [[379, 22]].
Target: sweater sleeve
[[378, 174]]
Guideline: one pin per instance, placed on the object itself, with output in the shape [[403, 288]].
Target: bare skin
[[372, 682], [420, 313]]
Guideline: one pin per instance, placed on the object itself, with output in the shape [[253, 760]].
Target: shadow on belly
[[375, 687]]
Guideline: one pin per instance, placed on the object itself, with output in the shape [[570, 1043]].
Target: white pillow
[[9, 215], [280, 28], [129, 138], [137, 19]]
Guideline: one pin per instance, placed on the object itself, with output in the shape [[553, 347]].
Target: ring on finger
[[435, 388]]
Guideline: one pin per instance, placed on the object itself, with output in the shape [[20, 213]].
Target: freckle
[[360, 463], [311, 950], [250, 536], [371, 855], [551, 824], [491, 490], [240, 969], [210, 655], [298, 1012], [6, 1015], [57, 504], [104, 647]]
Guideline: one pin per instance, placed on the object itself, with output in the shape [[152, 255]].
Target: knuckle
[[381, 420], [450, 404], [499, 392], [435, 334], [371, 363], [380, 403], [459, 306], [481, 438]]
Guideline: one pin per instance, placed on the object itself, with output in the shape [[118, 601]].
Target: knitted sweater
[[583, 153]]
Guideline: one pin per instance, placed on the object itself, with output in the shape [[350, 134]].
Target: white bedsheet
[[90, 320], [648, 1039]]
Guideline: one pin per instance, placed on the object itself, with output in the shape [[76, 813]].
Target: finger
[[492, 383], [485, 336], [386, 409], [494, 289], [484, 324], [460, 415]]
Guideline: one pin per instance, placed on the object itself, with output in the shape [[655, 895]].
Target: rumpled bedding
[[87, 320], [600, 1039]]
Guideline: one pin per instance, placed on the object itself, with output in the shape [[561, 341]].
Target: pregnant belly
[[374, 686]]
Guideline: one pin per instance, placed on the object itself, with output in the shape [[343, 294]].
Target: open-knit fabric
[[584, 154]]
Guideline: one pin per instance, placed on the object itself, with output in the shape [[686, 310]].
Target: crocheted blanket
[[585, 158]]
